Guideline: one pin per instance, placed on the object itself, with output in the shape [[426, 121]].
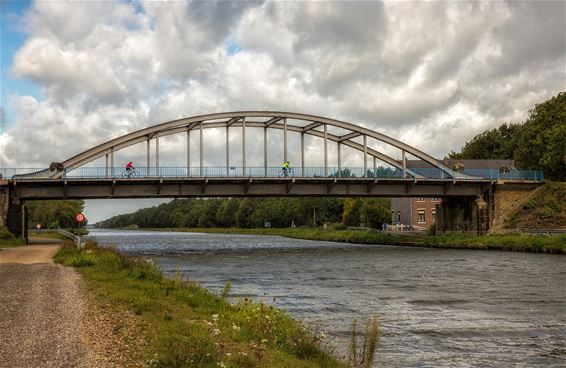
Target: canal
[[437, 307]]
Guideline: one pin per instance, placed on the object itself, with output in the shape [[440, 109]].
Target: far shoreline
[[548, 244]]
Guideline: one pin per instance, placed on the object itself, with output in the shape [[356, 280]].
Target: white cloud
[[431, 73]]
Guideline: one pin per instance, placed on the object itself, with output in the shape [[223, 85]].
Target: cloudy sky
[[432, 74]]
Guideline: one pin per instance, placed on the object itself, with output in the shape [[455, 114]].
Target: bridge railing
[[76, 238], [269, 172]]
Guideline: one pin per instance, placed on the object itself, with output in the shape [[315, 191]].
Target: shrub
[[6, 235]]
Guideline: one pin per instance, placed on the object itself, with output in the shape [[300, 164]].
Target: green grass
[[11, 243], [555, 244], [546, 209], [8, 240], [190, 326]]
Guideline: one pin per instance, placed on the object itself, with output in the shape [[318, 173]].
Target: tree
[[375, 212], [352, 212], [491, 144], [541, 142], [54, 214], [244, 213]]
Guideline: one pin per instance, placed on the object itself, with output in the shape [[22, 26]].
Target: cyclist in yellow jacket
[[285, 168]]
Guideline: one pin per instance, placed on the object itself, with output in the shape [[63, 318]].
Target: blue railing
[[272, 172]]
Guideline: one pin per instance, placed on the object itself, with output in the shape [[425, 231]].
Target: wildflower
[[263, 341], [216, 332], [235, 327], [228, 354], [215, 317], [221, 364]]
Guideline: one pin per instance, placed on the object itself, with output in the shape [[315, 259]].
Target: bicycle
[[290, 173], [133, 173]]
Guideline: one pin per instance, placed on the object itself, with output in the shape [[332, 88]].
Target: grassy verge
[[11, 243], [516, 243], [188, 325], [555, 244], [8, 240]]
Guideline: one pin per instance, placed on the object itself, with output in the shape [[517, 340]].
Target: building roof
[[468, 164]]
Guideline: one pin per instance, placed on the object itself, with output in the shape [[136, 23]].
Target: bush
[[340, 226], [6, 235], [80, 260]]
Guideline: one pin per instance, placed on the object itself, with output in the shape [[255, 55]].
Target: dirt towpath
[[41, 310]]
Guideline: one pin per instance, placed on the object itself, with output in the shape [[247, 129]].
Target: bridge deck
[[250, 187]]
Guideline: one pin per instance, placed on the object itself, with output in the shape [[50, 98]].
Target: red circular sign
[[80, 217]]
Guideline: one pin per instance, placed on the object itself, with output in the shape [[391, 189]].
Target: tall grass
[[364, 355]]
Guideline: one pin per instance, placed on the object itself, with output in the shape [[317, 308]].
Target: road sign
[[80, 217]]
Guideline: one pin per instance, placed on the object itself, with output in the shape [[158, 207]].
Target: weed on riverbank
[[190, 326]]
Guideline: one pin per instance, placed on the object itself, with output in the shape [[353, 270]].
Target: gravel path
[[41, 312]]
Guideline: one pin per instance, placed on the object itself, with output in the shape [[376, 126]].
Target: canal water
[[436, 307]]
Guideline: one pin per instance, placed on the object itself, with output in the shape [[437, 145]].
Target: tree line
[[55, 214], [257, 212], [538, 143]]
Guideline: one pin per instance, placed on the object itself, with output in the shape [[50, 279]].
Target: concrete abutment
[[13, 214]]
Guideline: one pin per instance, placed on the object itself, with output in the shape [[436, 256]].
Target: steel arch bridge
[[71, 179], [313, 125]]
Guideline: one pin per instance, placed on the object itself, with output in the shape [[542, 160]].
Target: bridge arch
[[266, 120]]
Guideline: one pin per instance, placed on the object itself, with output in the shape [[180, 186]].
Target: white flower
[[235, 328], [216, 331]]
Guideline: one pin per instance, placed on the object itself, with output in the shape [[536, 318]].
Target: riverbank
[[555, 244], [188, 326]]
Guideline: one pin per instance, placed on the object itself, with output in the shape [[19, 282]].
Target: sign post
[[80, 218]]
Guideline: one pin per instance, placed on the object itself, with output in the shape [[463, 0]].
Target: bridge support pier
[[13, 214], [4, 202], [462, 215]]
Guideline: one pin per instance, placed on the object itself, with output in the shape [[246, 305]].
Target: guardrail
[[269, 172], [76, 238]]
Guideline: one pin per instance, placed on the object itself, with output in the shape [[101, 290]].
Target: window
[[433, 215], [420, 199], [398, 217], [421, 216], [435, 199]]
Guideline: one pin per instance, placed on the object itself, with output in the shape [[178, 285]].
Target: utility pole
[[314, 216]]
